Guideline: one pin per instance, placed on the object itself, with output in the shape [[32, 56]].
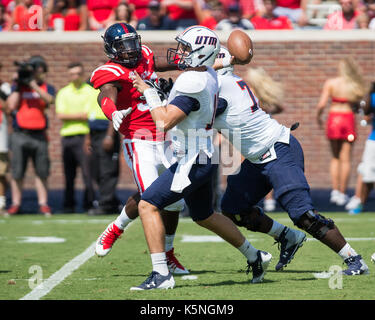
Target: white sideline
[[47, 285]]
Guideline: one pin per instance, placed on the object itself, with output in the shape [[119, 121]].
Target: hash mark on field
[[66, 221]]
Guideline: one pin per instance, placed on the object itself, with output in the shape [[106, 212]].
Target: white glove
[[118, 116]]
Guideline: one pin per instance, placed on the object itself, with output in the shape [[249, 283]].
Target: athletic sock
[[169, 238], [123, 220], [276, 229], [159, 263], [248, 251], [347, 251], [2, 202]]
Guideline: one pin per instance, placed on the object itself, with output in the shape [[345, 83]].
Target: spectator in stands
[[295, 10], [71, 14], [181, 12], [234, 20], [139, 7], [344, 91], [27, 16], [366, 169], [369, 11], [344, 19], [268, 20], [101, 13], [30, 97], [209, 14], [5, 91], [73, 103], [124, 13], [156, 20], [5, 19], [249, 8]]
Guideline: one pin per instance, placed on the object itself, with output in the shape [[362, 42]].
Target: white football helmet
[[224, 53], [196, 46]]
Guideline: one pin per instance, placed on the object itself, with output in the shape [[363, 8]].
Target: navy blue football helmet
[[122, 45]]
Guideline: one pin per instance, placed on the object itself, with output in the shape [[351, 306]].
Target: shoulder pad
[[146, 50], [106, 73], [191, 82]]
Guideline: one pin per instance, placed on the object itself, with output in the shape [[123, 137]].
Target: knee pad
[[250, 219], [315, 224]]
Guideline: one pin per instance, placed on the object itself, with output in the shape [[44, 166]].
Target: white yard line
[[46, 286]]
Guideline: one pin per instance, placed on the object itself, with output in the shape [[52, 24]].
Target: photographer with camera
[[30, 97]]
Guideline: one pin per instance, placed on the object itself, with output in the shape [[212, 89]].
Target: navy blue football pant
[[285, 175], [198, 195]]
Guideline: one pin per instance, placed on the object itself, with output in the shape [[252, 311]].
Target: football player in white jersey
[[273, 160], [190, 111]]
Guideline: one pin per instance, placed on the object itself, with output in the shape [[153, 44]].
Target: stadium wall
[[301, 60]]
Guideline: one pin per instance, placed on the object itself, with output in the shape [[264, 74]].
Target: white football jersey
[[195, 132], [258, 131]]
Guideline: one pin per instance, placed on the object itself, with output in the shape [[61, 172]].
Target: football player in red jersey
[[144, 146]]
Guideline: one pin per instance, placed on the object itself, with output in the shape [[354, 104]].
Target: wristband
[[226, 62], [152, 98], [108, 107]]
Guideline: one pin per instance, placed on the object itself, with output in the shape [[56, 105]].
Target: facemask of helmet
[[196, 46], [123, 47]]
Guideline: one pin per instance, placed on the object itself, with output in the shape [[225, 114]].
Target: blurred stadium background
[[301, 59]]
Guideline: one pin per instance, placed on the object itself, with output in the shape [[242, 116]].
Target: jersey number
[[209, 125], [244, 86]]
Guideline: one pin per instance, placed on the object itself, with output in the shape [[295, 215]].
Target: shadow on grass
[[294, 271], [223, 283]]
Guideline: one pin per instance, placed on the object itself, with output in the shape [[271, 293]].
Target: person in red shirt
[[249, 8], [295, 10], [143, 144], [101, 13], [27, 16], [344, 19], [209, 15], [31, 96], [181, 12], [72, 13], [269, 20], [140, 8]]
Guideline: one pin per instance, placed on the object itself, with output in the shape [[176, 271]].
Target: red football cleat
[[13, 209], [46, 210], [174, 265], [107, 239]]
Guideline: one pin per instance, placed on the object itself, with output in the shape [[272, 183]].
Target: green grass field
[[219, 268]]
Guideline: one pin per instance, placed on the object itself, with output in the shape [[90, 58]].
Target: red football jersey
[[138, 124]]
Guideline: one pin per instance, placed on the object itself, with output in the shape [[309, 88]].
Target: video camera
[[25, 72], [26, 69]]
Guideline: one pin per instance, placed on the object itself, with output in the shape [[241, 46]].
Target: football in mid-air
[[240, 46]]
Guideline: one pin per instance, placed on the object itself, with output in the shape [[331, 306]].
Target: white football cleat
[[353, 203], [259, 266], [107, 239], [373, 257], [156, 281]]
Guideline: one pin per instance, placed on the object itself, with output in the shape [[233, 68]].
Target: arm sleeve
[[186, 104]]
